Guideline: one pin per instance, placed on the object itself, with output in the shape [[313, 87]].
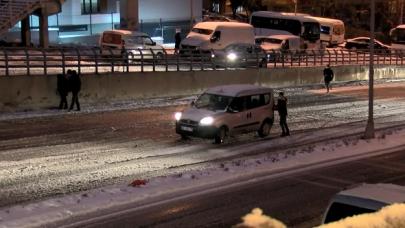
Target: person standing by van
[[328, 77], [282, 111], [177, 41]]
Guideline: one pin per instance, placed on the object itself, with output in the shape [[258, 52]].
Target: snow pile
[[392, 216], [256, 219]]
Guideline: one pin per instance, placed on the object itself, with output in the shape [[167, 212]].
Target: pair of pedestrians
[[66, 83]]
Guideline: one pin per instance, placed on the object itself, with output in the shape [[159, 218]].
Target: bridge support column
[[129, 14], [43, 28], [26, 32]]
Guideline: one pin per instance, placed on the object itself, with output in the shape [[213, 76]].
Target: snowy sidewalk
[[266, 164]]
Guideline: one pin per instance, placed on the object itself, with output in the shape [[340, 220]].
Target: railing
[[52, 61]]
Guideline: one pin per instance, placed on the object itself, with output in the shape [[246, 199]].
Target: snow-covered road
[[52, 153]]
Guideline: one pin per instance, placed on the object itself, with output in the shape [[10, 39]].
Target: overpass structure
[[14, 11]]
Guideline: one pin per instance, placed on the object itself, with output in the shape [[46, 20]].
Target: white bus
[[332, 30], [267, 23], [397, 36]]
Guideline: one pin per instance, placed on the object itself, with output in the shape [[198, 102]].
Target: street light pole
[[295, 7], [369, 133]]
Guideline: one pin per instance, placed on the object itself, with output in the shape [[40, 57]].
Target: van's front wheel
[[264, 130], [221, 135]]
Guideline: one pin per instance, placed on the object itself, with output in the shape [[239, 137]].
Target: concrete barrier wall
[[35, 92]]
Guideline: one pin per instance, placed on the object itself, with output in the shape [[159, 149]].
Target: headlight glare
[[207, 120], [177, 116], [232, 56]]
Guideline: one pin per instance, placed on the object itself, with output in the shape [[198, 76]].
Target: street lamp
[[369, 133]]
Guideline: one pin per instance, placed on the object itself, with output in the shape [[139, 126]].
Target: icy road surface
[[55, 152]]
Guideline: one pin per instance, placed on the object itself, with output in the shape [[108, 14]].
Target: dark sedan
[[363, 43]]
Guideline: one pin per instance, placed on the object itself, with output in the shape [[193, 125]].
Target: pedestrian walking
[[75, 86], [62, 88], [177, 41], [328, 77], [282, 112], [124, 55]]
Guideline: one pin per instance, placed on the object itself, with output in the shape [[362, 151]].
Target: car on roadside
[[240, 55], [138, 45], [365, 198], [279, 46], [224, 111], [363, 44]]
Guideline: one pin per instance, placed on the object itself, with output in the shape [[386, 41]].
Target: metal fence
[[32, 61]]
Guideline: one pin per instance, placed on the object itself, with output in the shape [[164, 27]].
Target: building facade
[[82, 19]]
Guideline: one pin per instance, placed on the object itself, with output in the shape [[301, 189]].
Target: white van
[[216, 35], [366, 198], [332, 31], [137, 44], [224, 111]]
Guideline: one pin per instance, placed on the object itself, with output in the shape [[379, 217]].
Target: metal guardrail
[[34, 61]]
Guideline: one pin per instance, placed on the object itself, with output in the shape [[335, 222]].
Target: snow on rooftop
[[237, 89]]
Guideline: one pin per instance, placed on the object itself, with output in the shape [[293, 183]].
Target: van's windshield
[[339, 211], [213, 102], [202, 31], [139, 40]]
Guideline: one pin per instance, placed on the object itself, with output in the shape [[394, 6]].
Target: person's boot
[[283, 134]]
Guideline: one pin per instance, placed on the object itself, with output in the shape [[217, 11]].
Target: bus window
[[325, 30]]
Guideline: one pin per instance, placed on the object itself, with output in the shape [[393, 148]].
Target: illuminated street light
[[369, 133]]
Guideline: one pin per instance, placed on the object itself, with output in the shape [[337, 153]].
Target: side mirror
[[213, 39], [192, 103], [153, 43]]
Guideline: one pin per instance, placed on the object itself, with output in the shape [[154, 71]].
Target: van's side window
[[238, 104], [266, 99], [253, 101], [216, 36]]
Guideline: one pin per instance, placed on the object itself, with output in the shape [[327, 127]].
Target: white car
[[138, 45], [228, 110], [365, 198]]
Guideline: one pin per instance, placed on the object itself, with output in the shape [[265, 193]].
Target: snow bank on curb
[[157, 189]]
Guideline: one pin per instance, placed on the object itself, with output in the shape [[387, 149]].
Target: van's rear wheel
[[264, 130], [221, 136]]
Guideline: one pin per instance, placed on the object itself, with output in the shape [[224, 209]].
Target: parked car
[[363, 43], [228, 110], [278, 45], [240, 55], [137, 44], [365, 198]]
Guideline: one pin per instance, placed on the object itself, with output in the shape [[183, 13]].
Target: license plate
[[184, 128]]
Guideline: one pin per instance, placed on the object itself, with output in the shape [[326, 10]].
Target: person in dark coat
[[62, 87], [328, 77], [282, 111], [75, 86], [177, 41]]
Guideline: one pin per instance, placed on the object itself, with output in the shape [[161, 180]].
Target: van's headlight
[[177, 115], [232, 56], [207, 121]]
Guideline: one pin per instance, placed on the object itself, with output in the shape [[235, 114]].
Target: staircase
[[13, 11]]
